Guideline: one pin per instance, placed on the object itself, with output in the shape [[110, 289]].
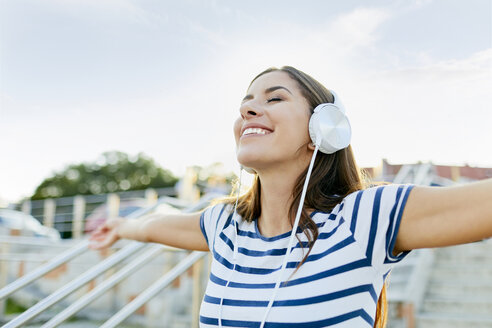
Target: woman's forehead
[[271, 79]]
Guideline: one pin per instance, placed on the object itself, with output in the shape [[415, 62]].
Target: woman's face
[[272, 130]]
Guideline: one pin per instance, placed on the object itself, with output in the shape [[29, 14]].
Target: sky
[[82, 77]]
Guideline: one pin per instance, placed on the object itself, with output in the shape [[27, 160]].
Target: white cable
[[235, 251], [292, 235]]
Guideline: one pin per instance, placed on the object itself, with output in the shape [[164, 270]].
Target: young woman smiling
[[348, 237]]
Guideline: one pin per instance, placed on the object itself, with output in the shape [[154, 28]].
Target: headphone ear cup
[[329, 128]]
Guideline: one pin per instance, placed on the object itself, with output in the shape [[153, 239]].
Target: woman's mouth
[[255, 131]]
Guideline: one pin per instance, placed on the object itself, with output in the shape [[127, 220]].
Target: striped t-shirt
[[337, 286]]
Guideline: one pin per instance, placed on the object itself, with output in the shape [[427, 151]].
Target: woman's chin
[[248, 165], [247, 158]]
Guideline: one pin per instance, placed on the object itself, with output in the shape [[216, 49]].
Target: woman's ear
[[311, 146]]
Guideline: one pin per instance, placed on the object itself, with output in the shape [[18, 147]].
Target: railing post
[[78, 216], [188, 190], [151, 196], [113, 202], [49, 212], [4, 271], [407, 312], [113, 205], [197, 292], [26, 206]]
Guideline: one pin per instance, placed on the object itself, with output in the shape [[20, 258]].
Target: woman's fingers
[[104, 236], [104, 241]]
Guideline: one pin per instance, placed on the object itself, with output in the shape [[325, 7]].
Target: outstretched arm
[[177, 230], [436, 217]]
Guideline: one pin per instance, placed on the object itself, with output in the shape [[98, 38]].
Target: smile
[[251, 131]]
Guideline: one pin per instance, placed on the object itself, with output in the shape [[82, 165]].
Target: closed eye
[[274, 99]]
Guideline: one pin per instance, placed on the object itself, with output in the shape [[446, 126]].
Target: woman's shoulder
[[376, 193], [374, 187], [218, 209]]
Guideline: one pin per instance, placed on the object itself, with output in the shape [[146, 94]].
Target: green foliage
[[114, 171], [12, 307]]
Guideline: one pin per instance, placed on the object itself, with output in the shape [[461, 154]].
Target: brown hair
[[334, 176]]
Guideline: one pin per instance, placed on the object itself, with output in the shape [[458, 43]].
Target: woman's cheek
[[237, 128]]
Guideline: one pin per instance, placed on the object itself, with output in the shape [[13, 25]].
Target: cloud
[[329, 48], [421, 3], [439, 111], [355, 29], [211, 38], [477, 66], [108, 11], [426, 108]]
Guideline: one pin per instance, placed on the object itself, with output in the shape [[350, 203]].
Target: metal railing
[[44, 269], [152, 291], [104, 287], [97, 270], [74, 285]]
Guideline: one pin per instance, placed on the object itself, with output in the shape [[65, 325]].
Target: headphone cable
[[292, 235]]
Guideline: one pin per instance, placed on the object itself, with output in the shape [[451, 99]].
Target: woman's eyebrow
[[271, 89]]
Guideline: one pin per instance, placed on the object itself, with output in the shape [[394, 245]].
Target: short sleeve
[[209, 221], [375, 216]]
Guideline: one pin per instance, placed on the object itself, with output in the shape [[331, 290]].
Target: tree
[[112, 172]]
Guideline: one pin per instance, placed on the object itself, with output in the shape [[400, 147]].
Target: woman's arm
[[435, 216], [177, 230]]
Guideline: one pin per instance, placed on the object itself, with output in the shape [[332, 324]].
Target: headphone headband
[[337, 102]]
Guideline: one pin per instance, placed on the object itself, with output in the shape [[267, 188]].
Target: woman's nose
[[249, 109]]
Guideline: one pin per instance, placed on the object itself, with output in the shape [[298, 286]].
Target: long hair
[[334, 176]]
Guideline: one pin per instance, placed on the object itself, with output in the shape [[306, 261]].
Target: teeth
[[254, 131]]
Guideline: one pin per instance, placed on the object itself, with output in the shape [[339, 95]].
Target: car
[[25, 225]]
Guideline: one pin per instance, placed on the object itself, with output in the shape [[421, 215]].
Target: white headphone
[[329, 127]]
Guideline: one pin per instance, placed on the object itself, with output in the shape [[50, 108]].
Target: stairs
[[459, 291]]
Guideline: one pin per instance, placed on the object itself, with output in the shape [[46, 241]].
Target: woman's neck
[[276, 199]]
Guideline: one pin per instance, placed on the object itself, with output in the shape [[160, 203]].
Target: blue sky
[[80, 77]]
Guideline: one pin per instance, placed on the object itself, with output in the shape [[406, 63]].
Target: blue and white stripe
[[337, 286]]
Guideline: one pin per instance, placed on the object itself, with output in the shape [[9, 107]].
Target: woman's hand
[[106, 234], [177, 230]]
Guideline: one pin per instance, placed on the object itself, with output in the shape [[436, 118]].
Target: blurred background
[[165, 79], [118, 107]]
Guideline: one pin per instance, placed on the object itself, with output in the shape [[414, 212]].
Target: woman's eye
[[274, 99]]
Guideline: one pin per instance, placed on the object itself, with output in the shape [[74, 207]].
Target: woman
[[349, 236]]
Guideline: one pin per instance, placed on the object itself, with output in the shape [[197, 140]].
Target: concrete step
[[183, 321], [463, 271], [82, 324], [458, 306], [449, 261], [474, 251], [395, 323], [439, 288], [459, 292], [439, 320]]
